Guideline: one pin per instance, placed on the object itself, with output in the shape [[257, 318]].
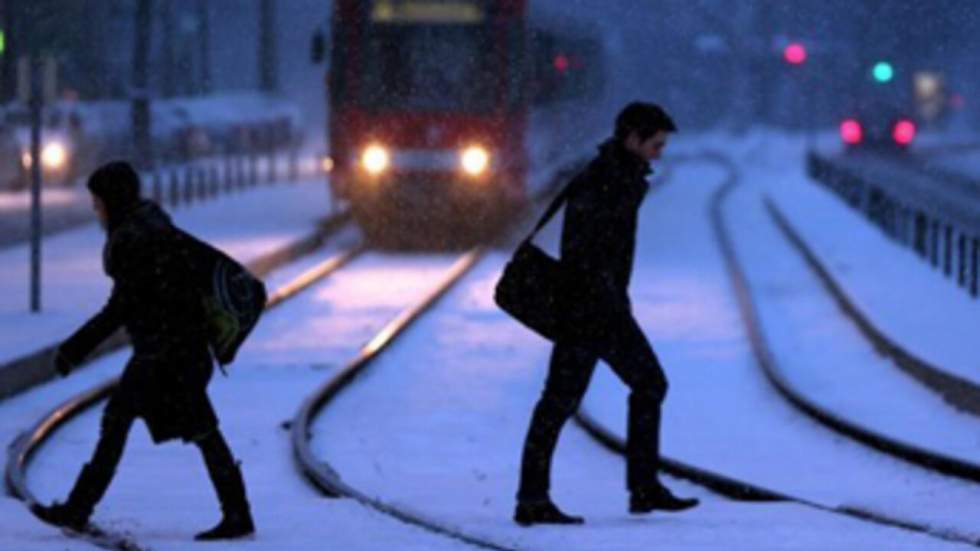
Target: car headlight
[[375, 159], [475, 160], [54, 156]]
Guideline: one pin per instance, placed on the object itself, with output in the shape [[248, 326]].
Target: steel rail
[[28, 443]]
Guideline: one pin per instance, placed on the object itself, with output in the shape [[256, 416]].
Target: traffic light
[[883, 72], [561, 63], [794, 53], [851, 132]]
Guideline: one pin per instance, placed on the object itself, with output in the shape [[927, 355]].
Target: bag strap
[[550, 212]]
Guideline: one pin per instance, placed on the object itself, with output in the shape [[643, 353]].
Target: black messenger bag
[[546, 295]]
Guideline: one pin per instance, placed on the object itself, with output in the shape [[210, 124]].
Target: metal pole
[[36, 102], [140, 110]]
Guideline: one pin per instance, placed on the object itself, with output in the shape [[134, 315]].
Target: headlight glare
[[53, 155], [375, 159], [475, 160]]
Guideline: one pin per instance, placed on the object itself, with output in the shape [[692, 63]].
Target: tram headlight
[[375, 159], [474, 160]]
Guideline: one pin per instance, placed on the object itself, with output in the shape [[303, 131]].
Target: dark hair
[[117, 184], [646, 119]]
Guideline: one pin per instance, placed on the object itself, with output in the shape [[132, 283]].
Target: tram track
[[320, 472], [958, 391], [30, 442], [745, 491], [329, 482]]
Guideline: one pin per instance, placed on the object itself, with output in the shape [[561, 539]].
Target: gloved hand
[[62, 363]]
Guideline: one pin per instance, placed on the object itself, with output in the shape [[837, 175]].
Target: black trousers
[[97, 474], [631, 357]]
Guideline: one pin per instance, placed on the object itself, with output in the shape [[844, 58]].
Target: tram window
[[518, 66], [337, 68], [430, 68]]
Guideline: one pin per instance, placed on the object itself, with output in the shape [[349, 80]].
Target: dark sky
[[676, 50]]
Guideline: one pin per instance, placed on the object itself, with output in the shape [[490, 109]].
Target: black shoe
[[544, 512], [59, 514], [658, 498], [230, 527]]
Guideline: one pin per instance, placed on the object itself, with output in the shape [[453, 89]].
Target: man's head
[[642, 128], [115, 187]]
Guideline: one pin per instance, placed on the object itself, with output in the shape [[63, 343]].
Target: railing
[[208, 177], [940, 231]]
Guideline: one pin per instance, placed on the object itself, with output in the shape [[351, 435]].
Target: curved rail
[[28, 443], [732, 487], [924, 458], [957, 391], [320, 473]]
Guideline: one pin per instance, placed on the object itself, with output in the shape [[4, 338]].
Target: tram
[[428, 113]]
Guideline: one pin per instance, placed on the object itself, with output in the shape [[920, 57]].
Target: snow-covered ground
[[906, 298], [246, 225], [280, 365], [437, 424]]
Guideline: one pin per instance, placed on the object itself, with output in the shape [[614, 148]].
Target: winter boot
[[658, 498], [232, 526], [237, 516], [89, 488], [61, 514], [542, 512]]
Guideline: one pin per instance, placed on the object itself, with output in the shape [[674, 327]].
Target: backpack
[[233, 299]]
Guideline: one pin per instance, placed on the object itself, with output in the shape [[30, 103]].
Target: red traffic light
[[851, 132], [904, 132], [794, 53], [561, 63]]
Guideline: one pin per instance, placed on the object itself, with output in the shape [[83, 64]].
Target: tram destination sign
[[428, 11]]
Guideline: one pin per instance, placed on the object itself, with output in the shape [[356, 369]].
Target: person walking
[[154, 297], [597, 244]]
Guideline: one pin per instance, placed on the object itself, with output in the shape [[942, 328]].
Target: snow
[[437, 424], [831, 358], [889, 283], [721, 413], [245, 225], [292, 351], [442, 436]]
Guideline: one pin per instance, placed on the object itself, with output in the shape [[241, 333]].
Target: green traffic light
[[883, 71], [3, 41]]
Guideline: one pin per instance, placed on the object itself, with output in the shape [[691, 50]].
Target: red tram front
[[428, 113]]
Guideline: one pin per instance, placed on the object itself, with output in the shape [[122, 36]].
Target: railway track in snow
[[32, 441], [798, 398], [328, 481]]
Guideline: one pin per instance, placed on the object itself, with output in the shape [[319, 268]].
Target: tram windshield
[[430, 68]]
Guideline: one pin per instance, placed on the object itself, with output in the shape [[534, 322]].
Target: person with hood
[[155, 299], [597, 244]]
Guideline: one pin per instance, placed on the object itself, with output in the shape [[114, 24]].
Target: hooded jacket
[[155, 299]]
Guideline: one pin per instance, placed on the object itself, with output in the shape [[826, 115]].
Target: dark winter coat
[[599, 233], [155, 300]]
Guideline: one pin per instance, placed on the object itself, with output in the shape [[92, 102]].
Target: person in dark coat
[[597, 243], [155, 299]]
